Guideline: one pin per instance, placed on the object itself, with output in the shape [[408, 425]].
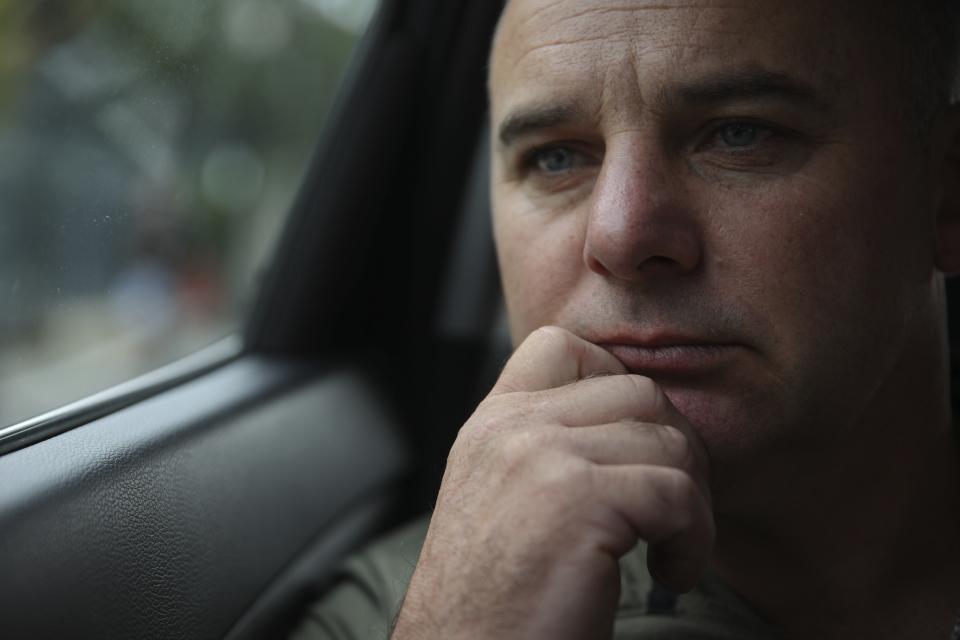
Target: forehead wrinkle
[[621, 36], [640, 9], [613, 93], [645, 51], [536, 32], [638, 43], [602, 8]]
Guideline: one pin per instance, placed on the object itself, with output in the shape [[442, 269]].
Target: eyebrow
[[736, 86], [525, 121], [751, 84]]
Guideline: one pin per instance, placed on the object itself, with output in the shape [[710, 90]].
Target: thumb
[[552, 357]]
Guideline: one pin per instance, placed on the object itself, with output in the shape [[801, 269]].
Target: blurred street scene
[[149, 152]]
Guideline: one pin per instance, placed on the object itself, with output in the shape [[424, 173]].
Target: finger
[[609, 398], [552, 357], [617, 398], [633, 443], [666, 509]]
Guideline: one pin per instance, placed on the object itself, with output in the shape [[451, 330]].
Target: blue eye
[[739, 135], [555, 160]]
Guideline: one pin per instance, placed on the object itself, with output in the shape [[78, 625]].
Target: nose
[[639, 224]]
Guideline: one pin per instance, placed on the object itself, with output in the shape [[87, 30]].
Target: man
[[732, 218]]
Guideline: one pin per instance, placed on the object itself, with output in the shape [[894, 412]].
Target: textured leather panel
[[283, 605], [170, 518]]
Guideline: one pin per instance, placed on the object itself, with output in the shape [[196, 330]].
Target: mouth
[[667, 358]]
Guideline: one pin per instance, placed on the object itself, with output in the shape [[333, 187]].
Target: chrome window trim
[[120, 396]]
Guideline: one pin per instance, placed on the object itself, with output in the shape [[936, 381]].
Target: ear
[[948, 218]]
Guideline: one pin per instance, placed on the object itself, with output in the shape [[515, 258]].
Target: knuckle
[[519, 448], [677, 447], [680, 496], [477, 429], [550, 338], [551, 334], [561, 478], [645, 392]]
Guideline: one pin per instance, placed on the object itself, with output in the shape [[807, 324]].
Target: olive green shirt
[[369, 590]]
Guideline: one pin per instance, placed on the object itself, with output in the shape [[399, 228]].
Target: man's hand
[[562, 468]]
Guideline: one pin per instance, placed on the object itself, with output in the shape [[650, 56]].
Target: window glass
[[149, 151]]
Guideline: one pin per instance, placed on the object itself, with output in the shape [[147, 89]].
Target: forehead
[[594, 48]]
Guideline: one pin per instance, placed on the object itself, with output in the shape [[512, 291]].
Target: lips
[[670, 357]]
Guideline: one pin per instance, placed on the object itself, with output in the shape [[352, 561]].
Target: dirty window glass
[[149, 151]]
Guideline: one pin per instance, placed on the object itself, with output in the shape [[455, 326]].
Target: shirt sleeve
[[368, 590]]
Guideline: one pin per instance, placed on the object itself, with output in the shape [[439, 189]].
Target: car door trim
[[121, 396]]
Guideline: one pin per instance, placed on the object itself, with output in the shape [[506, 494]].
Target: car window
[[150, 151]]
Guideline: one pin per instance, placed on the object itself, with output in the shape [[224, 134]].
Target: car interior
[[215, 497]]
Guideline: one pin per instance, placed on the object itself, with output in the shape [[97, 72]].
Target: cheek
[[864, 241], [819, 255], [540, 265]]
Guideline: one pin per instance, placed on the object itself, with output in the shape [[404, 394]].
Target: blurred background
[[149, 151]]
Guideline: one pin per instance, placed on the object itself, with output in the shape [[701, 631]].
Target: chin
[[731, 430]]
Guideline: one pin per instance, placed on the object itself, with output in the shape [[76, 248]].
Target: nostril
[[597, 267], [657, 260]]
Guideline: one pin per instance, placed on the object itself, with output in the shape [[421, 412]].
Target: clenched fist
[[560, 471]]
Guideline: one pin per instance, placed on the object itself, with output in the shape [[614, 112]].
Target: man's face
[[727, 196]]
